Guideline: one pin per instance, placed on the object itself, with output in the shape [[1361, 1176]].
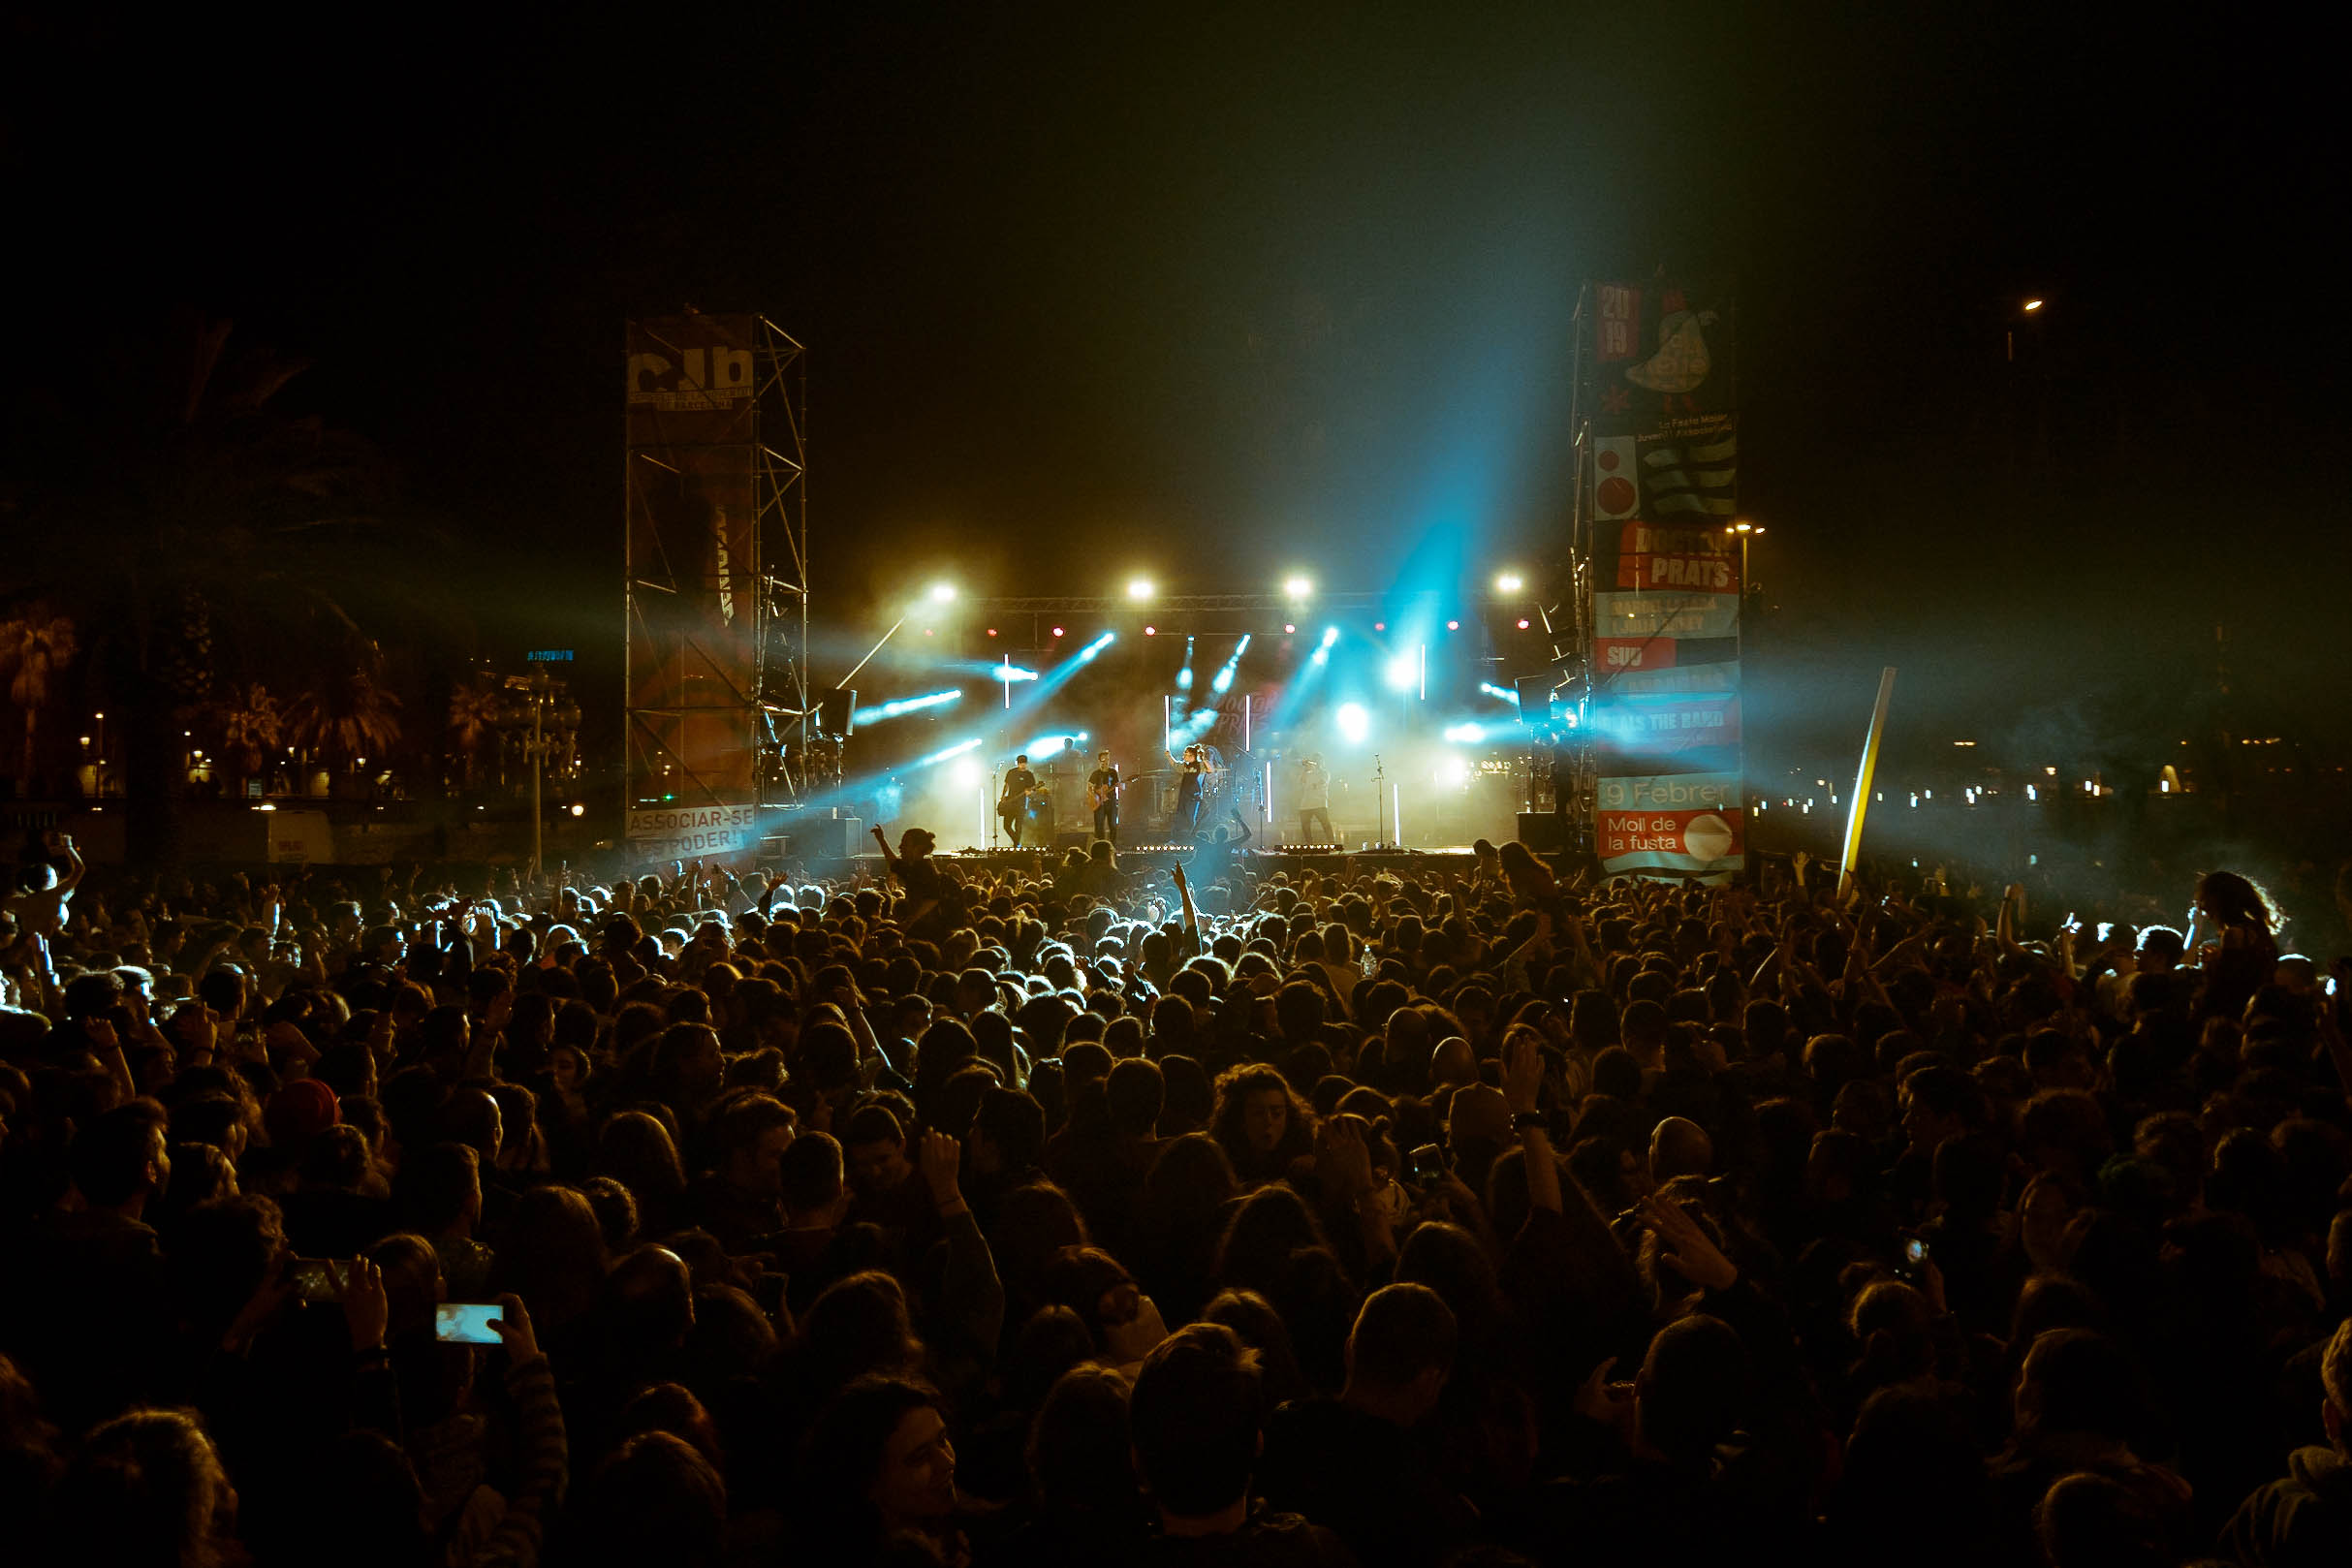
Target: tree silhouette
[[33, 646]]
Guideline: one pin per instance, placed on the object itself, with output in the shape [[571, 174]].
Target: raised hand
[[514, 1326], [366, 1309], [939, 1159], [1522, 1071], [1685, 1243]]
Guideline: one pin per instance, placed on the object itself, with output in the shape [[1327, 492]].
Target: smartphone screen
[[465, 1323], [314, 1278], [1915, 1252], [1429, 1165]]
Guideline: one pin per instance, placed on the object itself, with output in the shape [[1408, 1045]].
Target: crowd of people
[[1479, 1214]]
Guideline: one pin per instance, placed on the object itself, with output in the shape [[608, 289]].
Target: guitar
[[1099, 796]]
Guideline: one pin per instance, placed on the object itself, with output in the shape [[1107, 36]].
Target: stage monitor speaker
[[829, 838], [838, 713], [1534, 699], [1067, 840], [1544, 832]]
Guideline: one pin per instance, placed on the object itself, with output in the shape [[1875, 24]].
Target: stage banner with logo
[[693, 560], [1688, 825], [1662, 454]]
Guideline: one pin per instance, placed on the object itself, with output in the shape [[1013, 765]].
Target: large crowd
[[958, 1214]]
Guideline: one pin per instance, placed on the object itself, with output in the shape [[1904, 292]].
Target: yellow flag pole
[[1862, 779]]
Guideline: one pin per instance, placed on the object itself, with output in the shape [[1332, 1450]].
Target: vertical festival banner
[[693, 562], [1663, 492]]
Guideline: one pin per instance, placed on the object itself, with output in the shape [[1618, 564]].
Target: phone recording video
[[1428, 1165], [466, 1323], [320, 1279]]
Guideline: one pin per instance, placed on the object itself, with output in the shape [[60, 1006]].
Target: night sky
[[1222, 292]]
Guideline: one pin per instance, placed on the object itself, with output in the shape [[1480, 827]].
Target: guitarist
[[1103, 794], [1012, 802]]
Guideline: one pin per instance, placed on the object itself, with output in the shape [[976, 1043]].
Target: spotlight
[[1465, 735], [1401, 672], [991, 631], [942, 592], [1509, 583], [1058, 631], [1288, 626], [1354, 722], [1452, 772], [1331, 635], [1454, 626], [1295, 587], [1151, 631], [968, 773], [1522, 623], [1139, 589], [578, 810]]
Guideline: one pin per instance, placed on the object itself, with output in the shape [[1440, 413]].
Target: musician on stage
[[1191, 784], [1314, 802], [1012, 803], [1103, 789]]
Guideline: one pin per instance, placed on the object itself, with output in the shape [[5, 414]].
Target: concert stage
[[1456, 861]]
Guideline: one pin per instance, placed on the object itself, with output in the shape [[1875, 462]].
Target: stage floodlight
[[1058, 631], [1522, 623], [1297, 586], [1509, 583], [1354, 721], [1289, 627], [578, 810], [942, 592], [1139, 589], [1402, 671], [968, 771], [1465, 735], [1452, 774], [1151, 631]]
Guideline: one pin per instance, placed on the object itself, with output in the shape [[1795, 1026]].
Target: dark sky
[[1220, 291]]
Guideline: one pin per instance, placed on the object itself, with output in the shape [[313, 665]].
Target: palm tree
[[251, 729], [350, 716], [206, 537], [474, 707], [33, 646]]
